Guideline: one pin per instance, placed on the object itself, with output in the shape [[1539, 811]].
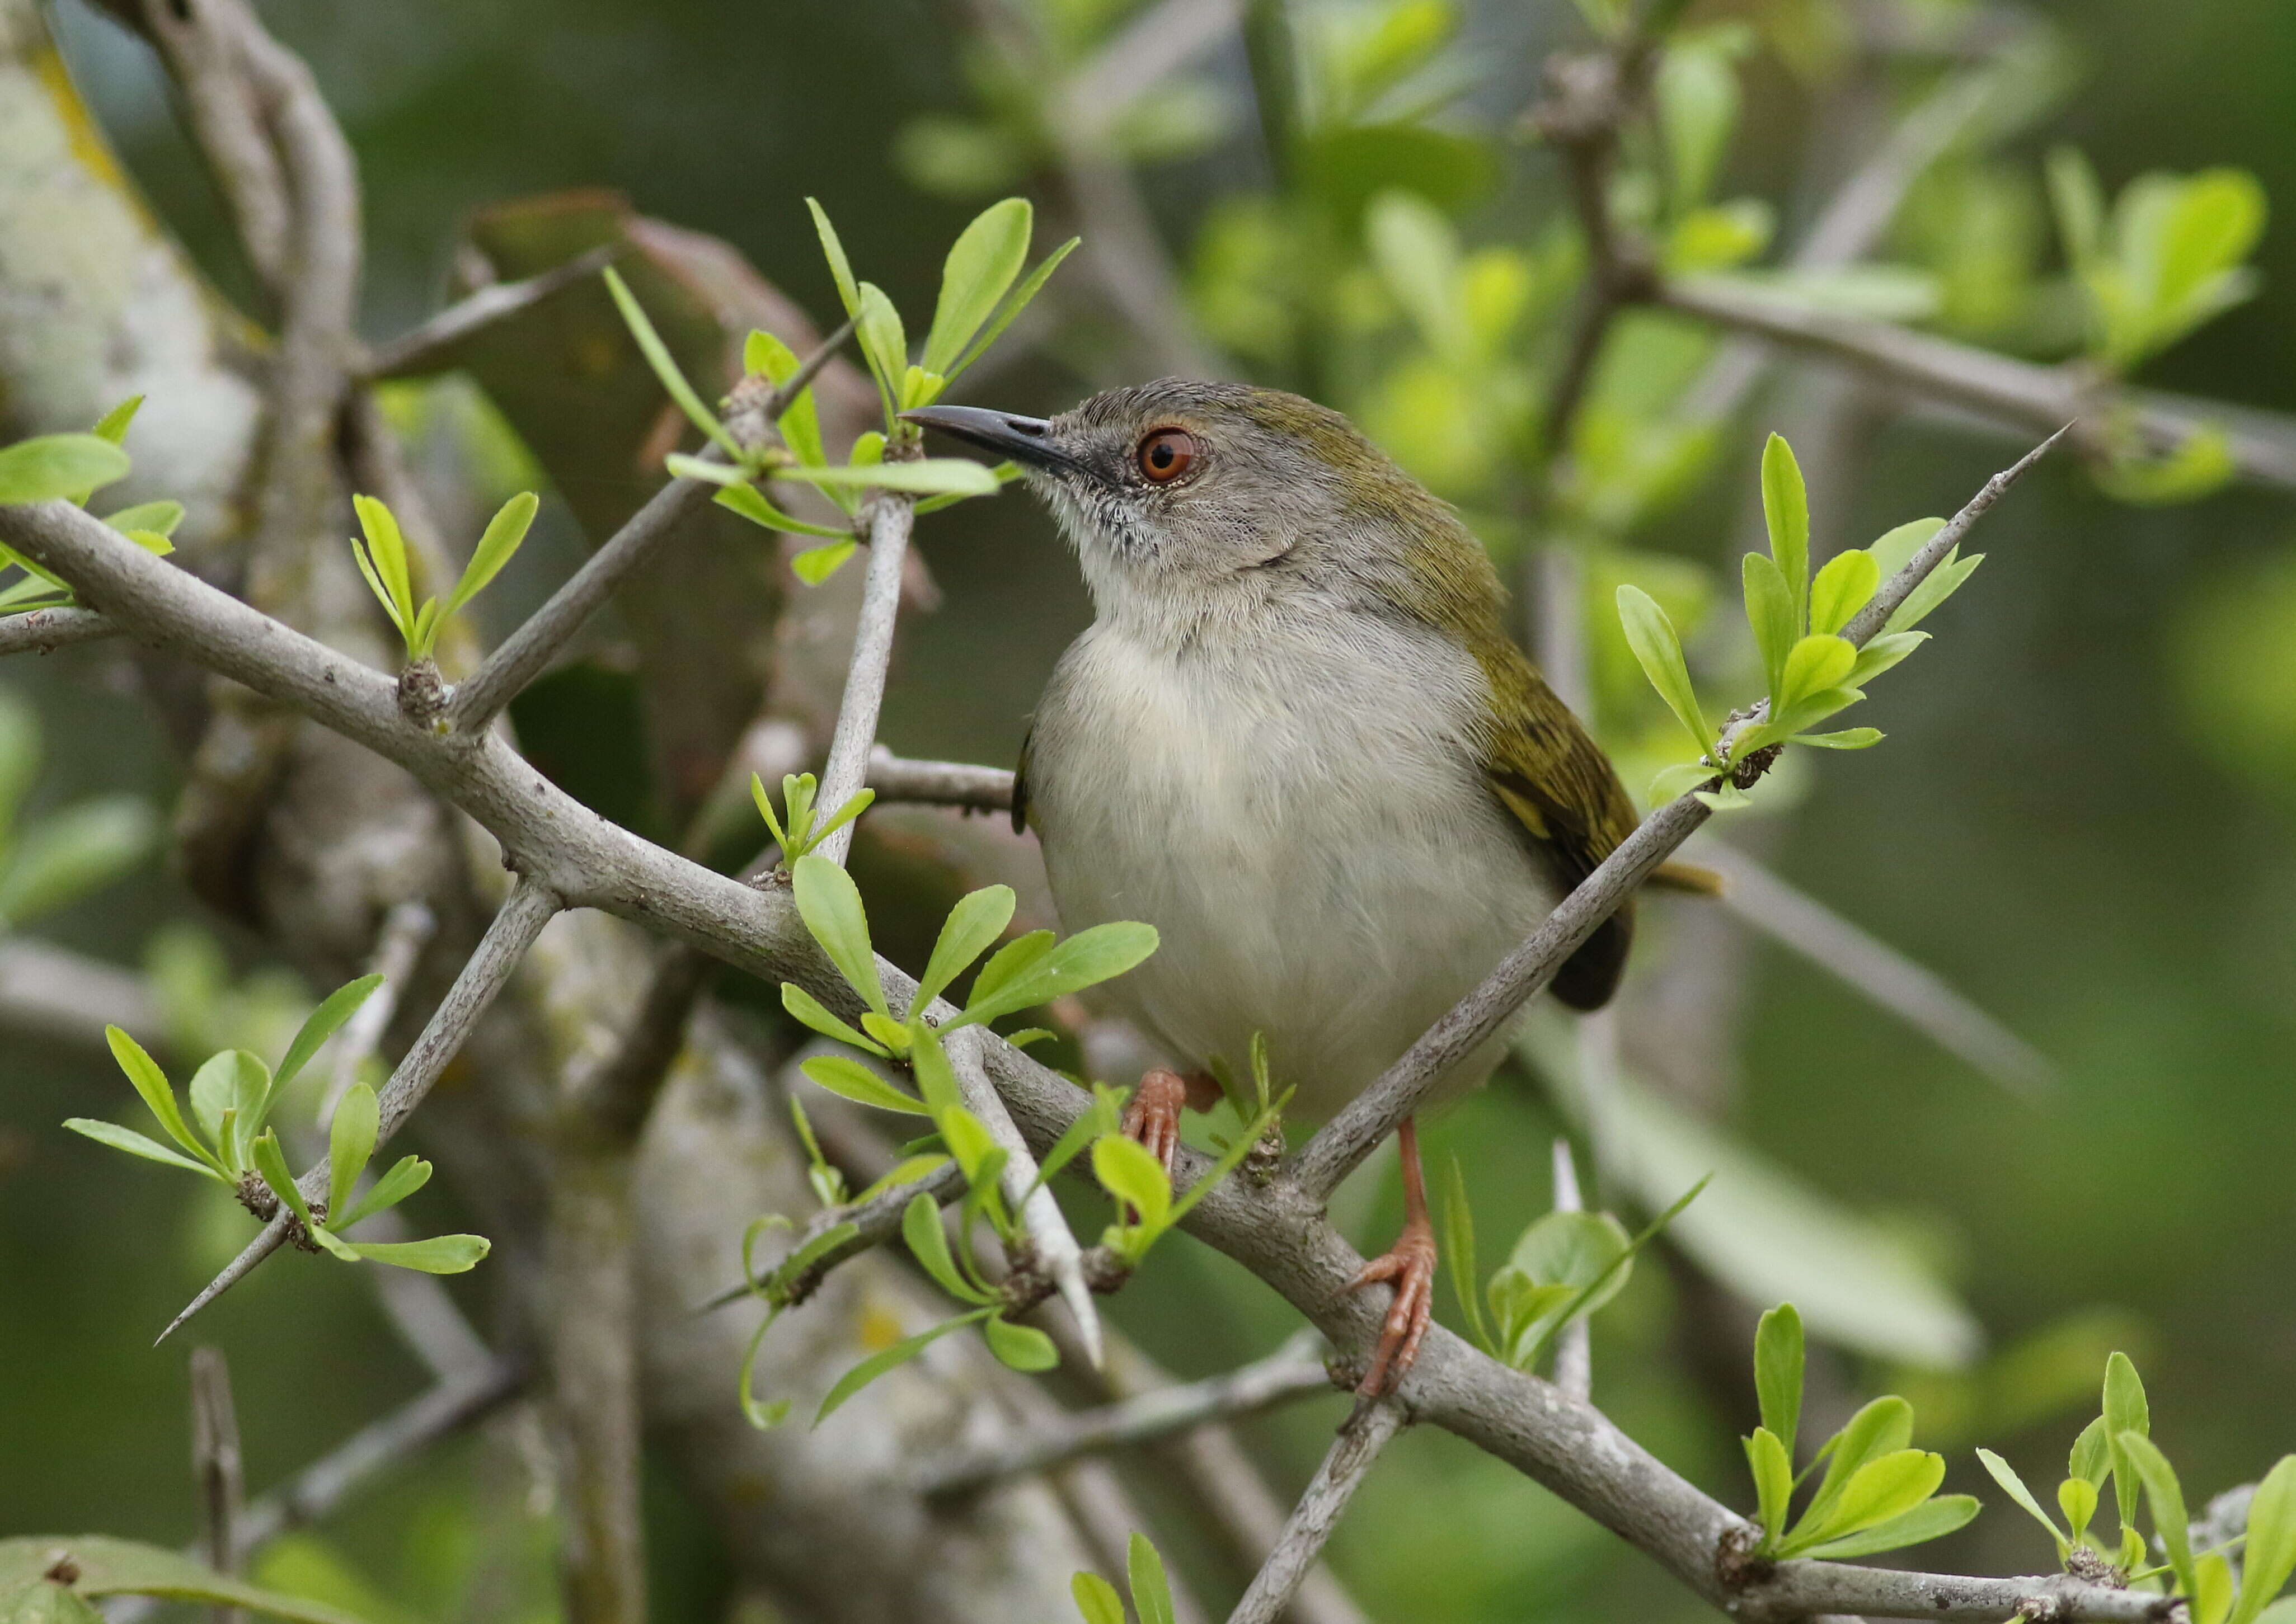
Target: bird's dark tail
[[1590, 975]]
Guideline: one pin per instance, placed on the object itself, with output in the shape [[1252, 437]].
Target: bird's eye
[[1165, 454]]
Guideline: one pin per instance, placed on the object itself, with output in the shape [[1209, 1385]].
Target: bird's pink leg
[[1153, 1116], [1409, 1266]]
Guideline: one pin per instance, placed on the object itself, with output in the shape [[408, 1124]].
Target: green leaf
[[380, 588], [1777, 1372], [1520, 1305], [800, 419], [1019, 1347], [980, 269], [830, 904], [1771, 612], [272, 1165], [928, 477], [816, 564], [123, 1567], [1939, 584], [2076, 1499], [323, 1023], [1679, 779], [750, 504], [1458, 1219], [927, 1243], [2125, 1411], [966, 1135], [1151, 1594], [2079, 203], [1930, 1520], [1785, 510], [1884, 1487], [113, 425], [1849, 738], [862, 801], [1129, 1172], [441, 1254], [2091, 1459], [1015, 957], [158, 1096], [849, 1079], [877, 325], [1096, 1600], [1652, 637], [1845, 585], [350, 1145], [834, 252], [74, 851], [135, 1144], [971, 929], [2014, 1486], [2169, 1522], [2270, 1555], [1895, 549], [406, 1175], [1019, 301], [214, 1089], [1882, 1428], [936, 1079], [1772, 1470], [806, 1008], [665, 365], [503, 533], [1579, 1250], [58, 467], [1084, 960], [387, 549], [1881, 653], [1817, 662], [900, 1353], [764, 1416], [159, 517]]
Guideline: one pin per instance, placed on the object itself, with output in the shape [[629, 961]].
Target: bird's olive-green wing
[[1562, 791]]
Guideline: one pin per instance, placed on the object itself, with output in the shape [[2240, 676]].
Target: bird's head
[[1184, 497]]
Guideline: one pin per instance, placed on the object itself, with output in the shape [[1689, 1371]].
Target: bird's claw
[[1152, 1118], [1409, 1267]]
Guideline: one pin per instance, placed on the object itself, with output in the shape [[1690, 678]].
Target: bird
[[1298, 740]]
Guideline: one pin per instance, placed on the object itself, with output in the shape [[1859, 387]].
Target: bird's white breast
[[1301, 814]]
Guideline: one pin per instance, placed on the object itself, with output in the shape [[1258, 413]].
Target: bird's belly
[[1337, 888]]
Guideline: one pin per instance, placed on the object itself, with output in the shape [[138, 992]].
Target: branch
[[2019, 393], [43, 629], [1292, 1371], [406, 927], [59, 994], [512, 931], [1924, 999], [425, 347], [1345, 1465], [199, 42], [850, 747], [215, 1464], [898, 778], [1372, 1115]]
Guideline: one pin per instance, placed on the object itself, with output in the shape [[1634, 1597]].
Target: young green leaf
[[2170, 1524], [1652, 637], [927, 1243], [862, 801], [386, 550], [1019, 1347], [1012, 306], [1772, 1470], [350, 1144], [2125, 1411], [900, 1353], [1930, 1520], [1939, 584], [930, 475], [981, 267], [440, 1254], [322, 1024], [1005, 965], [1777, 1372], [1880, 653], [1458, 1219], [2091, 1459], [1586, 1253], [1845, 585], [750, 504], [2014, 1486], [1771, 612], [113, 425], [503, 533], [834, 252], [763, 1414], [1895, 549], [73, 852], [271, 1164], [808, 1010], [971, 928], [158, 1096], [1096, 1600], [408, 1175], [135, 1144], [883, 343], [1151, 1594], [2076, 1499], [1785, 510], [213, 1092], [909, 1169], [58, 467], [830, 904], [665, 365], [1679, 779], [1084, 960], [159, 518], [2270, 1555], [936, 1080], [849, 1079], [1817, 662], [1883, 1427], [816, 564], [1848, 738], [800, 421], [1885, 1487], [1129, 1172]]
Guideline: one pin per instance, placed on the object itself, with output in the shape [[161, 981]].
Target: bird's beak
[[1026, 440]]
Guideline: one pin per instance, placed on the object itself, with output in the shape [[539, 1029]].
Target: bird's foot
[[1153, 1116], [1408, 1266]]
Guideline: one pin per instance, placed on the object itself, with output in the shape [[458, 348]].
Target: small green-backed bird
[[1298, 740]]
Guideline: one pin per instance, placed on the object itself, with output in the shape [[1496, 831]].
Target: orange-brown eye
[[1166, 453]]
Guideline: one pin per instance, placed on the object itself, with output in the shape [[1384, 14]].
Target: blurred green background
[[2082, 817]]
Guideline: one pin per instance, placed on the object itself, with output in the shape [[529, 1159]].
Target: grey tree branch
[[959, 783], [1295, 1370], [856, 736], [423, 347], [1372, 1115], [406, 927], [1574, 1348], [43, 629], [203, 55], [215, 1464], [530, 907], [1345, 1466], [1276, 1231]]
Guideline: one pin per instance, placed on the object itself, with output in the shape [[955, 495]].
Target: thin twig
[[215, 1464], [512, 931], [42, 630], [427, 346], [1293, 1371], [897, 779], [1373, 1114], [407, 928], [1345, 1466], [850, 747], [875, 1221], [1924, 998], [59, 994], [203, 57], [1574, 1348]]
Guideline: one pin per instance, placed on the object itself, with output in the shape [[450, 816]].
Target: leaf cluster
[[380, 550], [72, 468], [806, 826], [1876, 1495], [1097, 1602]]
